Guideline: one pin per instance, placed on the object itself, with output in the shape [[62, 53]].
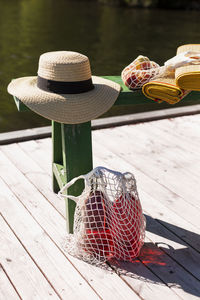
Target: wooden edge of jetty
[[43, 132]]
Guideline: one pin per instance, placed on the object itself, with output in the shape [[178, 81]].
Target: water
[[110, 36]]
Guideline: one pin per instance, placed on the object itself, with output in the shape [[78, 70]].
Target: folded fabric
[[188, 77], [164, 89]]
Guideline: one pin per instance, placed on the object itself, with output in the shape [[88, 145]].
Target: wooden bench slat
[[127, 97]]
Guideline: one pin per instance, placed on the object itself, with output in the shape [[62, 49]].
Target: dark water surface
[[111, 37]]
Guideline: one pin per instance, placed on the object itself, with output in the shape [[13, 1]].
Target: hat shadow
[[160, 263]]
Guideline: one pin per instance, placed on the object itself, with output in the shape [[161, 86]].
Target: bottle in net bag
[[108, 220]]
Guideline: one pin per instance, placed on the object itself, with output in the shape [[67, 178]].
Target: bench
[[72, 144]]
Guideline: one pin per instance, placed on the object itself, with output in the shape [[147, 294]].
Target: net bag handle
[[85, 177], [67, 185], [95, 172]]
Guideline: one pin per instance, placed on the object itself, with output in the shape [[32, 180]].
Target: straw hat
[[64, 90]]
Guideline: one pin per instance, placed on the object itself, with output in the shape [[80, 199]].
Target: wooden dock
[[164, 156]]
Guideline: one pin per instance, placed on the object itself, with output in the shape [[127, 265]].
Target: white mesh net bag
[[108, 220], [139, 72]]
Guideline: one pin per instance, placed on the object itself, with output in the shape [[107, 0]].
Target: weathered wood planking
[[7, 290], [39, 154], [110, 155], [34, 172], [173, 245], [60, 273], [175, 274], [148, 289], [21, 269], [180, 281], [143, 158], [161, 203], [182, 257], [176, 151], [179, 250], [169, 154], [190, 264], [186, 132], [174, 202], [159, 233], [146, 157], [179, 211], [42, 132], [142, 287], [103, 282]]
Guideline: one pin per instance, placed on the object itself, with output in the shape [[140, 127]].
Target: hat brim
[[66, 108]]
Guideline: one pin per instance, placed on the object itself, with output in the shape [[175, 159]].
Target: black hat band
[[62, 87]]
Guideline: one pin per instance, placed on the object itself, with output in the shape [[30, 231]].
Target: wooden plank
[[138, 285], [127, 96], [183, 155], [39, 154], [161, 167], [180, 281], [173, 245], [186, 129], [143, 287], [178, 134], [145, 116], [165, 205], [7, 291], [61, 274], [35, 174], [136, 98], [147, 289], [105, 283], [169, 199], [25, 135], [26, 277], [165, 274], [138, 274], [143, 157], [171, 220], [44, 132], [186, 257]]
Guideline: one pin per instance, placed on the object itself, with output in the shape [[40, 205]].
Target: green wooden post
[[77, 160], [57, 151]]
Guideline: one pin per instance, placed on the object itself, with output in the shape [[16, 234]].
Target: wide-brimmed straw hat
[[64, 90]]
